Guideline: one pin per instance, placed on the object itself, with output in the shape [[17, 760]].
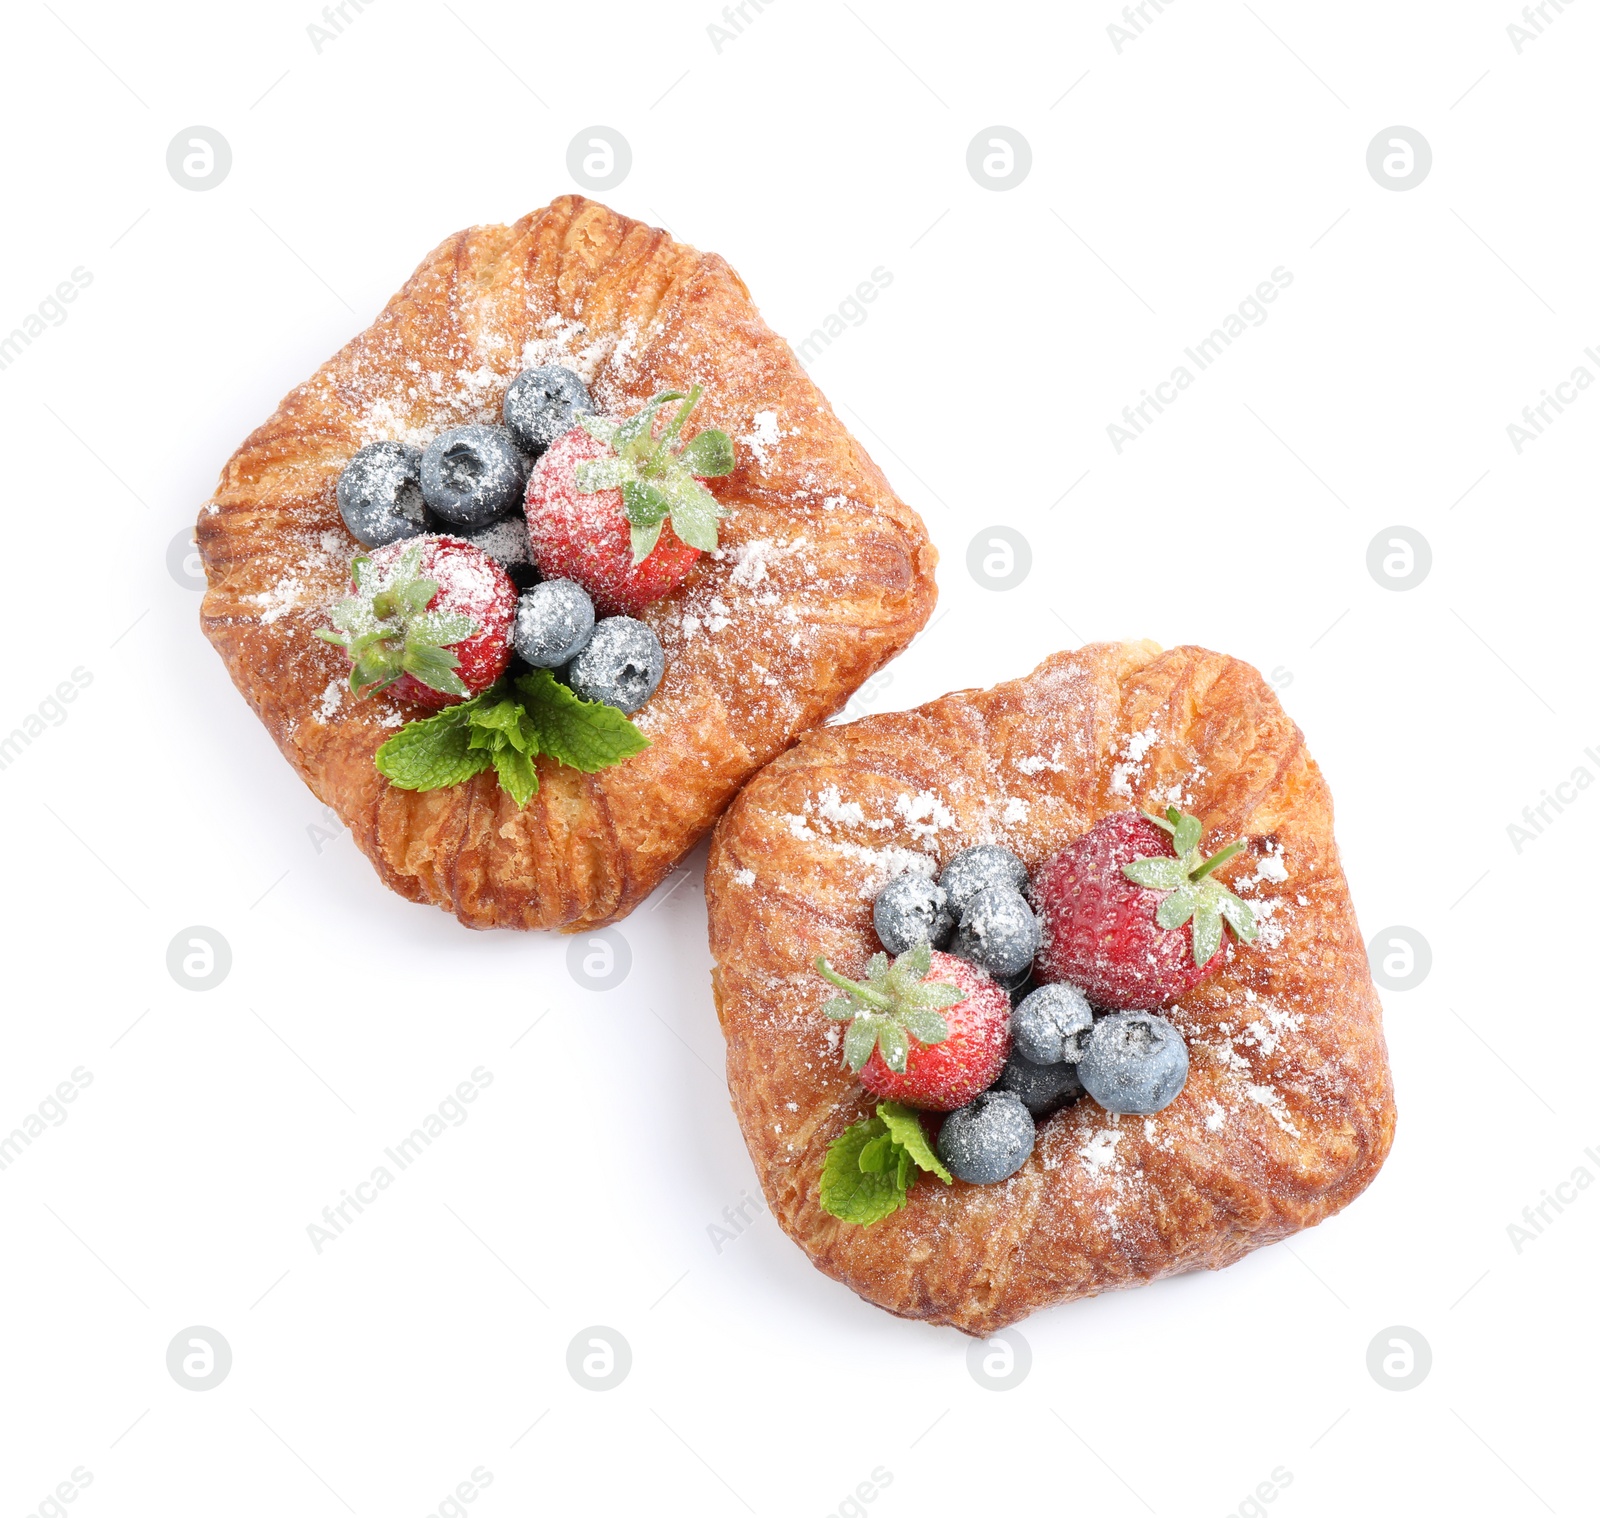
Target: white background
[[1167, 180]]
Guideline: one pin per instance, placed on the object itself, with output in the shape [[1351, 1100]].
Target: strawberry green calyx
[[1191, 889], [892, 1004], [660, 476], [388, 631]]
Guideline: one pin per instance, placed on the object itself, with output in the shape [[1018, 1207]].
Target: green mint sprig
[[891, 1006], [1192, 890], [871, 1165], [658, 475], [508, 727], [388, 631]]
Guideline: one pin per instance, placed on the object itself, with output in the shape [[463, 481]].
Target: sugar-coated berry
[[997, 932], [622, 664], [542, 404], [1042, 1089], [380, 494], [505, 541], [910, 909], [554, 622], [973, 870], [473, 475], [1134, 1062], [988, 1139], [1051, 1024]]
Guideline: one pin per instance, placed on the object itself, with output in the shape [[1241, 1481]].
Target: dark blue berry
[[542, 404], [998, 932], [622, 664], [554, 622], [910, 909], [473, 475], [1134, 1062], [380, 494], [1051, 1024], [1042, 1089], [973, 870], [988, 1139]]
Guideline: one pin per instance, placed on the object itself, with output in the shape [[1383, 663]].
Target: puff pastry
[[1288, 1112], [823, 574]]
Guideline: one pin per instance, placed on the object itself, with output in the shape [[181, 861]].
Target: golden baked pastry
[[1288, 1111], [822, 575]]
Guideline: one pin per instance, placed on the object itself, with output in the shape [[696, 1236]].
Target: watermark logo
[[852, 310], [1400, 958], [1266, 1491], [1537, 417], [199, 1358], [866, 1491], [1562, 795], [1399, 158], [199, 158], [599, 1358], [1399, 558], [1133, 26], [1001, 1362], [50, 1113], [1537, 1216], [599, 961], [735, 1219], [321, 36], [199, 958], [1538, 17], [1399, 1358], [1250, 312], [732, 27], [52, 710], [183, 561], [999, 558], [599, 158], [465, 1491], [999, 158], [52, 310]]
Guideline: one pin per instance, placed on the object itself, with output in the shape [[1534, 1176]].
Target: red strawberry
[[622, 510], [429, 617], [1132, 914], [930, 1030]]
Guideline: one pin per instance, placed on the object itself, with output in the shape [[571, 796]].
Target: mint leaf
[[905, 1129], [431, 753], [519, 779], [709, 453], [850, 1193], [586, 735]]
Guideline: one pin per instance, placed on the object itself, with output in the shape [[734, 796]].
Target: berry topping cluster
[[519, 627], [1011, 998]]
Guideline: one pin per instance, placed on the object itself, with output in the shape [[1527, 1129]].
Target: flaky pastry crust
[[823, 575], [1289, 1109]]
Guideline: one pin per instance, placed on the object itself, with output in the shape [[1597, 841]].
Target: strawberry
[[622, 510], [429, 617], [929, 1030], [1132, 914]]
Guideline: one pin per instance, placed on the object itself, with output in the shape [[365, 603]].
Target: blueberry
[[505, 541], [998, 932], [1135, 1062], [909, 909], [554, 621], [380, 494], [542, 404], [984, 864], [1052, 1024], [1042, 1089], [622, 664], [988, 1139], [472, 475]]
